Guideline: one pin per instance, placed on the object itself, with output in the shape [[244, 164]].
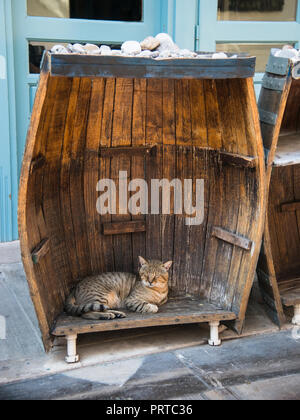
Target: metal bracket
[[268, 117], [273, 83], [278, 65]]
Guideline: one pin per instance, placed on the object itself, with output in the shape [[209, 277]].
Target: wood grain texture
[[89, 129], [123, 228]]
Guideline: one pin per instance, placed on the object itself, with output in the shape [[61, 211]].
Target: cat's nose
[[151, 278]]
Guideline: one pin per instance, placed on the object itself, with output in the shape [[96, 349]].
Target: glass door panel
[[259, 10], [118, 10]]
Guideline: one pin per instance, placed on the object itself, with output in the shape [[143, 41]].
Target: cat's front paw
[[150, 309]]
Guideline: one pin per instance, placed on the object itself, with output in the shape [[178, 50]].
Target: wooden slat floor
[[175, 312]]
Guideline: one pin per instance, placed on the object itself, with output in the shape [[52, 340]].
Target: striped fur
[[101, 297]]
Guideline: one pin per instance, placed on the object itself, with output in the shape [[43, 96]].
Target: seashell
[[165, 54], [150, 43], [131, 48], [155, 54], [106, 50], [287, 53], [77, 49], [288, 47], [274, 51], [146, 54], [91, 49], [186, 53], [116, 52], [59, 49], [220, 55], [166, 43]]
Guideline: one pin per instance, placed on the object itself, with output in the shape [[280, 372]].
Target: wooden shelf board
[[175, 312], [290, 291], [288, 150]]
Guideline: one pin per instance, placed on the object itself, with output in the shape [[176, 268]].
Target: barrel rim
[[75, 65]]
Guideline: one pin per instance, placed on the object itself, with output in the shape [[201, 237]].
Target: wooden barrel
[[95, 117], [279, 264]]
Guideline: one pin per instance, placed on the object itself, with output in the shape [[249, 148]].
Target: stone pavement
[[256, 368], [172, 363]]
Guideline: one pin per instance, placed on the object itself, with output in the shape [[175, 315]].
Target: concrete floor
[[171, 363]]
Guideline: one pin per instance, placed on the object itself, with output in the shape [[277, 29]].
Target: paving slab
[[277, 389], [247, 360], [10, 253], [232, 372]]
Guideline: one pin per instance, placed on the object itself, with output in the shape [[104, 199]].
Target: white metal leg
[[296, 319], [72, 356], [214, 334]]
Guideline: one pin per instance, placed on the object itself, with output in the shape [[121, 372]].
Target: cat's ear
[[143, 261], [168, 265]]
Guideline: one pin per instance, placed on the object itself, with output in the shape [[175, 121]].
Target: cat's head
[[154, 273]]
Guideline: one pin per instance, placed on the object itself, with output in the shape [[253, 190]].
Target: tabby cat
[[100, 297]]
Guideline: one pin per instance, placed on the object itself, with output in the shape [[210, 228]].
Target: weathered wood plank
[[232, 238], [290, 207], [91, 174], [127, 151], [122, 137], [40, 251], [106, 246], [138, 162], [154, 135], [122, 228]]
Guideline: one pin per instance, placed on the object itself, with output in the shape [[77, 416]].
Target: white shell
[[106, 50], [91, 49], [186, 53], [78, 49], [165, 54], [131, 48], [59, 49], [116, 52], [287, 53], [166, 43], [150, 43], [146, 54], [288, 47], [217, 56]]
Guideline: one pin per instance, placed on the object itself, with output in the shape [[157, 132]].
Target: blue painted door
[[253, 27], [5, 146]]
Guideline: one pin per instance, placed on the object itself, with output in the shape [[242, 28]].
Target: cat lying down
[[101, 297]]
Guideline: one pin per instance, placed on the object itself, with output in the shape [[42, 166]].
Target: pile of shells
[[159, 48], [288, 51]]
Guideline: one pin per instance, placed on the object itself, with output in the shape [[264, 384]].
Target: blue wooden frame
[[8, 155]]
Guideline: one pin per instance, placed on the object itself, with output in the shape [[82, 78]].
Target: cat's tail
[[71, 308]]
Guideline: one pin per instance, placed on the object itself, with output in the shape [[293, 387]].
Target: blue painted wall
[[8, 156]]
